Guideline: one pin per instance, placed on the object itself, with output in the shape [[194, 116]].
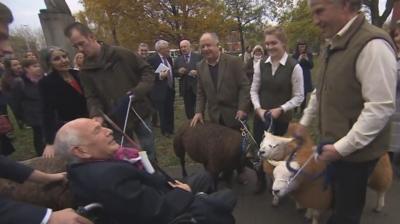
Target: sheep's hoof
[[378, 210]]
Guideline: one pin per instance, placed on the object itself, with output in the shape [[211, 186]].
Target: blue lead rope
[[328, 173]]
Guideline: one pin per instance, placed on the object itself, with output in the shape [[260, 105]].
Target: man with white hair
[[127, 192], [163, 94], [110, 75], [222, 84], [353, 112], [186, 68]]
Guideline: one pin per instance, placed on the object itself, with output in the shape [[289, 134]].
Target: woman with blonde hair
[[277, 86]]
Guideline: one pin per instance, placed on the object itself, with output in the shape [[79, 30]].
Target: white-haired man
[[127, 192], [222, 85], [353, 111], [163, 94], [186, 68]]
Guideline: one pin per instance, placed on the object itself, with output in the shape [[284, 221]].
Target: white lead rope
[[312, 156], [126, 119]]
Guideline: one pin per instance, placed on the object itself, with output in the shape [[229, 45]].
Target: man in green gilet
[[353, 112]]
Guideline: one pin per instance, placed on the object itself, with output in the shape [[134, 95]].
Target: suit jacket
[[160, 87], [14, 212], [189, 82], [61, 103], [232, 93], [127, 193]]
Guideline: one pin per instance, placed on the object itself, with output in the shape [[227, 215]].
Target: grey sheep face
[[274, 147]]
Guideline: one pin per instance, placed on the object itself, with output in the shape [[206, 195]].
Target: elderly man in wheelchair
[[127, 192]]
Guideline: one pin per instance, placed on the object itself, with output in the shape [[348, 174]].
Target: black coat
[[14, 212], [61, 103], [29, 102], [306, 66], [160, 88], [189, 82], [130, 195]]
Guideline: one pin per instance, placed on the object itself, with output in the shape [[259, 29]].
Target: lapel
[[221, 70]]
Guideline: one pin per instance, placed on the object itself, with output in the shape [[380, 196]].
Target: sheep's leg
[[261, 181], [182, 160], [380, 202], [308, 214], [315, 216]]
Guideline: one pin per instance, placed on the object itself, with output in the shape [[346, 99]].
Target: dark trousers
[[165, 110], [189, 99], [200, 182], [349, 188], [279, 128], [213, 208], [38, 139], [6, 147]]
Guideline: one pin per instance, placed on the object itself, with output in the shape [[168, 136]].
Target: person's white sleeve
[[297, 90], [255, 86], [46, 218], [376, 65], [311, 111]]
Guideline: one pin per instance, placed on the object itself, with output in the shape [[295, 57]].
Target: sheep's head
[[282, 176], [274, 147]]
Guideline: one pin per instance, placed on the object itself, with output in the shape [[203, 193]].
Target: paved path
[[257, 209]]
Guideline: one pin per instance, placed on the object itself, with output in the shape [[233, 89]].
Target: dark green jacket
[[107, 78], [339, 92]]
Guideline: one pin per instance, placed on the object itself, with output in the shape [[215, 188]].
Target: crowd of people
[[354, 116]]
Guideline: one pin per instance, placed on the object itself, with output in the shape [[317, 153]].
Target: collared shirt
[[376, 65], [187, 57], [216, 62], [296, 79]]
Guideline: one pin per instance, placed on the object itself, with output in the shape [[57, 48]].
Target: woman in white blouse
[[277, 85]]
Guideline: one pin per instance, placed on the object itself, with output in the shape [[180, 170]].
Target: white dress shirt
[[297, 84], [376, 72]]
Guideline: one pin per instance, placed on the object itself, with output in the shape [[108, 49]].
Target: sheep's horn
[[273, 162]]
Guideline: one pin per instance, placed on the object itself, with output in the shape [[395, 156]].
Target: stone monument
[[54, 19]]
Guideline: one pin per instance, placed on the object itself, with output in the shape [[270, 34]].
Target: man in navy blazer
[[186, 68], [12, 212], [163, 93]]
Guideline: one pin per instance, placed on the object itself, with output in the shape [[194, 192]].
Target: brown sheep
[[215, 146], [55, 196], [309, 193]]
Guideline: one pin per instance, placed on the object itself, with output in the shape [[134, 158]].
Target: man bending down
[[127, 192]]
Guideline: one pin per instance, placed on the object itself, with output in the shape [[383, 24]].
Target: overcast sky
[[26, 11]]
